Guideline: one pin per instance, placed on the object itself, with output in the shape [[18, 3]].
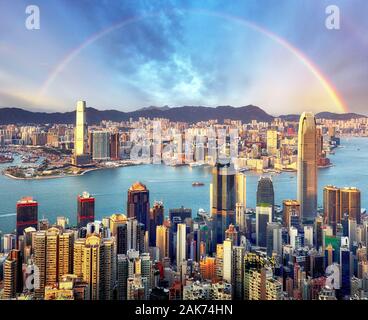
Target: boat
[[197, 184]]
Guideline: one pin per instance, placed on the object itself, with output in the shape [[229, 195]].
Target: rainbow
[[316, 72]]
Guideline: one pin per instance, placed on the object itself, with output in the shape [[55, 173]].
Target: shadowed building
[[223, 199], [27, 214], [265, 192], [86, 209], [350, 203], [138, 203]]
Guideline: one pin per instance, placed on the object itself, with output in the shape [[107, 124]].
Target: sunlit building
[[307, 167]]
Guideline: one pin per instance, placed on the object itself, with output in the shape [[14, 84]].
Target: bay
[[172, 185]]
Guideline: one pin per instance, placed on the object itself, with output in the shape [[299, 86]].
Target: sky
[[126, 55]]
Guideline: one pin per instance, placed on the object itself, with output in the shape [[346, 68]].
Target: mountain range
[[190, 114]]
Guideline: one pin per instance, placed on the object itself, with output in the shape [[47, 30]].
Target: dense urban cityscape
[[294, 250]]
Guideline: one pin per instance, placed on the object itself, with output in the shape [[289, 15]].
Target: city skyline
[[230, 252], [133, 51], [126, 174]]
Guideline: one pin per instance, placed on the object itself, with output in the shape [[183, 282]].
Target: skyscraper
[[156, 218], [263, 217], [290, 208], [223, 199], [138, 203], [98, 267], [238, 272], [118, 227], [181, 241], [265, 192], [101, 145], [274, 238], [307, 167], [162, 241], [241, 189], [227, 261], [331, 206], [346, 271], [350, 203], [12, 271], [272, 142], [27, 214], [80, 135], [53, 254], [86, 209], [115, 146]]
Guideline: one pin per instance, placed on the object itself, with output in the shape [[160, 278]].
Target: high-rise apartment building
[[12, 275], [99, 267]]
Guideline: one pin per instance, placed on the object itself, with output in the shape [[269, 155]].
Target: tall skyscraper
[[238, 272], [27, 214], [98, 267], [156, 218], [119, 230], [307, 167], [274, 238], [350, 203], [223, 199], [346, 270], [101, 145], [138, 203], [12, 271], [115, 146], [207, 267], [81, 135], [331, 206], [181, 244], [53, 254], [308, 236], [227, 261], [265, 193], [263, 217], [86, 209], [290, 208], [162, 241], [241, 189]]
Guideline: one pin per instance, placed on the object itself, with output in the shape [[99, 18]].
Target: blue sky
[[183, 53]]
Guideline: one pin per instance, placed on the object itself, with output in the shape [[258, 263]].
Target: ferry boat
[[197, 184]]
